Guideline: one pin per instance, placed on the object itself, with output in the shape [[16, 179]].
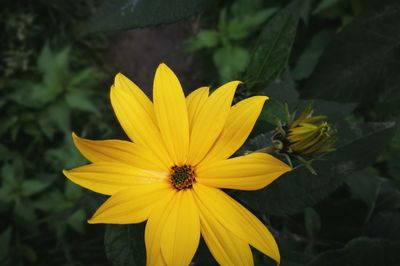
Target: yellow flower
[[172, 171]]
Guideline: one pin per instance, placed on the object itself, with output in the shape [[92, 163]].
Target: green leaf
[[359, 145], [273, 48], [77, 220], [72, 191], [24, 210], [230, 61], [124, 245], [5, 241], [393, 154], [389, 197], [280, 92], [32, 187], [384, 225], [126, 14], [312, 221], [324, 4], [204, 39], [366, 188], [80, 100], [362, 251], [309, 58], [57, 116], [241, 27], [360, 61]]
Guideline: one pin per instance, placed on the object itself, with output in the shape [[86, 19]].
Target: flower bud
[[307, 135]]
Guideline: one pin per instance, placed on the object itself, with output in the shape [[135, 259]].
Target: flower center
[[182, 177]]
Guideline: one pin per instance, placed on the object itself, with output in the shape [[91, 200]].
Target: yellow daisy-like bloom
[[172, 171]]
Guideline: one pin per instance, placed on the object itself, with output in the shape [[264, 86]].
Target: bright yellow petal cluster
[[196, 136]]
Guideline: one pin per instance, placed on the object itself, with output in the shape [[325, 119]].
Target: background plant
[[340, 55]]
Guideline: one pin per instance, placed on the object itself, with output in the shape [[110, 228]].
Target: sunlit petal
[[181, 233], [171, 113], [240, 122], [237, 219], [109, 177], [154, 228], [210, 121], [131, 205], [195, 101], [248, 172], [227, 248], [120, 151], [137, 118]]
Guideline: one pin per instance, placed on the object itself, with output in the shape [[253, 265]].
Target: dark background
[[58, 60]]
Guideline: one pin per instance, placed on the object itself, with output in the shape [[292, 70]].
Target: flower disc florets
[[182, 177]]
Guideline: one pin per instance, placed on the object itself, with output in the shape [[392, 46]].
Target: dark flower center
[[182, 177]]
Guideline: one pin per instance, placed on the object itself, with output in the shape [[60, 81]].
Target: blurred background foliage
[[343, 56]]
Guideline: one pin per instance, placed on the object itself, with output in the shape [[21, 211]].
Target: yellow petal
[[154, 228], [226, 247], [171, 112], [108, 177], [119, 151], [132, 109], [210, 121], [248, 172], [131, 205], [237, 219], [123, 83], [240, 122], [195, 101], [181, 234]]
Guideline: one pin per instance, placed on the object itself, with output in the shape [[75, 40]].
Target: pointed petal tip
[[235, 82], [118, 77], [91, 221], [75, 138], [166, 70], [259, 98], [67, 174], [163, 66]]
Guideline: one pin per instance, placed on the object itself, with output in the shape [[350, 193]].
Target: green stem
[[268, 149]]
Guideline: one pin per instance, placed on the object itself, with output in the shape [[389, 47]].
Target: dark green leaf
[[309, 58], [360, 61], [366, 188], [384, 225], [362, 251], [273, 48], [324, 4], [282, 90], [77, 220], [389, 196], [24, 211], [126, 14], [312, 221], [72, 191], [5, 241], [124, 245]]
